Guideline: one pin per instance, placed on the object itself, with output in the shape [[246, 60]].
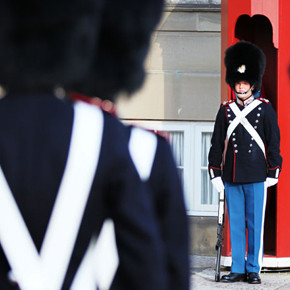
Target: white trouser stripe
[[260, 258]]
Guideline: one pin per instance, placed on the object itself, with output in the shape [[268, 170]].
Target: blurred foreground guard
[[244, 159], [118, 67], [66, 167]]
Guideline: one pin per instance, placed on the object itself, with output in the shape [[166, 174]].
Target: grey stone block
[[209, 21], [193, 2], [185, 21], [203, 235], [182, 51], [191, 97], [175, 96]]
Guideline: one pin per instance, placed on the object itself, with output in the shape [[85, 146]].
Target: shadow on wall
[[258, 30]]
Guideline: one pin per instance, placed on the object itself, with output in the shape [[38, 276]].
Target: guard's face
[[242, 87]]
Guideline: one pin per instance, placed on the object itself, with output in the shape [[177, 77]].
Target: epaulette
[[227, 102], [264, 100]]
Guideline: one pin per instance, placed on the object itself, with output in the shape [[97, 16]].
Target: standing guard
[[244, 159]]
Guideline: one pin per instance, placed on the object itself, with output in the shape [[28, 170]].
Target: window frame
[[201, 209]]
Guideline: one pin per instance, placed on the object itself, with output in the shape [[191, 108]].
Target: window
[[206, 199], [176, 139], [190, 142]]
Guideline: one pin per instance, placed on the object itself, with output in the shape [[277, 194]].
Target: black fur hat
[[46, 43], [244, 61], [124, 40]]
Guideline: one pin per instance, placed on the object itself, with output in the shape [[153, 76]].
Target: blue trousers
[[246, 201]]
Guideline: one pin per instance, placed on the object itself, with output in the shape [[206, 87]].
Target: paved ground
[[203, 277]]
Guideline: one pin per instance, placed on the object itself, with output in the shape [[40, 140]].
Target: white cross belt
[[241, 119]]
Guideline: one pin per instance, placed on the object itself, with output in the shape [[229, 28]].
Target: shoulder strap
[[47, 270], [16, 241], [74, 190], [142, 148]]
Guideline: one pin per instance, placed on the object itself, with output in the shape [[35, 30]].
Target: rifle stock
[[220, 227]]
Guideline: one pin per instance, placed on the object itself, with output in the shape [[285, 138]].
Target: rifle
[[220, 227]]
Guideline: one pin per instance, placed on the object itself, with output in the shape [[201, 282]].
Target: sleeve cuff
[[214, 172], [274, 172]]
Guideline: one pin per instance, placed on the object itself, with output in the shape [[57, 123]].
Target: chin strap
[[244, 93]]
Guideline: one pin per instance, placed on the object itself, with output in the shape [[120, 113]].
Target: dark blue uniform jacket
[[34, 140], [244, 160]]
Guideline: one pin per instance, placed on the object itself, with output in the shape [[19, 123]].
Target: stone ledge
[[192, 7]]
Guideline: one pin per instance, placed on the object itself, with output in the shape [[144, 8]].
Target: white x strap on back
[[241, 119], [47, 269], [100, 262], [101, 259]]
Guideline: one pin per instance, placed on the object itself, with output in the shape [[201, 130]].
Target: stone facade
[[183, 82], [183, 69], [196, 2]]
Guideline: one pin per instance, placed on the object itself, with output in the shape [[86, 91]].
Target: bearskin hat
[[124, 40], [244, 61], [46, 43]]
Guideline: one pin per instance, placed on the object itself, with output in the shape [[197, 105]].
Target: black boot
[[254, 278], [234, 277]]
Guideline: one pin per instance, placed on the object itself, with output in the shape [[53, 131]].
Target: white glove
[[271, 181], [218, 184]]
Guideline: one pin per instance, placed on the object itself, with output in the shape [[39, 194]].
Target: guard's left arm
[[170, 207], [272, 134]]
